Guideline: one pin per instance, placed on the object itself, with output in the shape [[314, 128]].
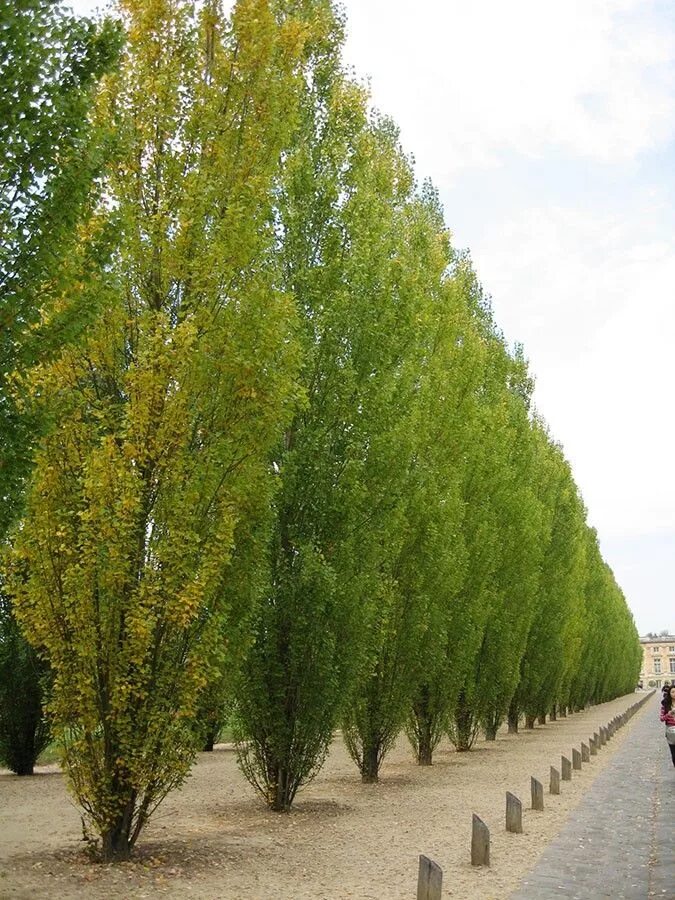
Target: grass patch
[[51, 754]]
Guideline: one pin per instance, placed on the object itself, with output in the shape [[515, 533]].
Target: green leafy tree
[[456, 454], [552, 642], [479, 533], [610, 654], [293, 678], [487, 476], [24, 682], [343, 210], [49, 65], [214, 709], [521, 526], [420, 561], [165, 411]]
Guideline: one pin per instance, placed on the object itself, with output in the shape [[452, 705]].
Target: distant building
[[658, 660]]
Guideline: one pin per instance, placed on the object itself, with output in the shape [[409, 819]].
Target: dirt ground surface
[[214, 839]]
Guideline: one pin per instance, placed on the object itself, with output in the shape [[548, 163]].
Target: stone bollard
[[585, 752], [566, 768], [480, 842], [429, 880], [596, 738], [514, 814], [576, 759], [554, 784], [603, 736], [593, 746], [537, 791]]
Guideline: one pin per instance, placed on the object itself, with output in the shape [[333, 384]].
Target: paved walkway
[[620, 840]]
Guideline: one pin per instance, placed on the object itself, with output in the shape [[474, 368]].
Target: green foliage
[[49, 64], [456, 455], [166, 409], [293, 679], [553, 641], [521, 537], [412, 632], [489, 482], [24, 685], [214, 709], [307, 632], [609, 655]]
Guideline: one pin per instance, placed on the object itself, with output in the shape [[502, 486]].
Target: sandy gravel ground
[[215, 840]]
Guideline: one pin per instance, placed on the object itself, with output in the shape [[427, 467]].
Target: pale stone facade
[[658, 661]]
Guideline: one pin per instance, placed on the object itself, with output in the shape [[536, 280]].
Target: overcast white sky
[[549, 129]]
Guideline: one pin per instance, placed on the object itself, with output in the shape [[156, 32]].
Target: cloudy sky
[[549, 129]]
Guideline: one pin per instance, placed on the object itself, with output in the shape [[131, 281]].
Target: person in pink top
[[667, 715]]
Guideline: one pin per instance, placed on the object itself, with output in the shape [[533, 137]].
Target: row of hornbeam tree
[[264, 447]]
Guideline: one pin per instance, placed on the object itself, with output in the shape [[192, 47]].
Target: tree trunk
[[529, 721], [491, 732], [209, 741], [282, 799], [370, 765], [423, 719], [563, 712], [513, 719], [424, 751], [463, 725], [116, 842], [542, 719], [554, 713]]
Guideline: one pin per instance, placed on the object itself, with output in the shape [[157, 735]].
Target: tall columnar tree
[[609, 660], [552, 642], [293, 679], [458, 454], [344, 211], [49, 65], [490, 486], [595, 655], [420, 561], [521, 526], [156, 467], [479, 534]]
